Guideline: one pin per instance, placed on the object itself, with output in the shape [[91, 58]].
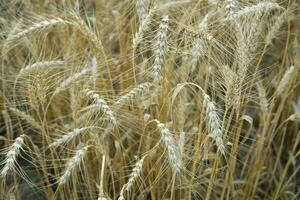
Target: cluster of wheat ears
[[150, 99]]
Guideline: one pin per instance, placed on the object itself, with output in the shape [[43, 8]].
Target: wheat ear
[[102, 105], [11, 156], [144, 24], [30, 120], [173, 150], [68, 137], [63, 85], [214, 122], [260, 7], [43, 64], [199, 46], [138, 90], [160, 46], [72, 164], [136, 172], [141, 9], [285, 80], [37, 26], [231, 6]]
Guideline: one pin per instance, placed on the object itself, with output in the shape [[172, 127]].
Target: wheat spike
[[11, 156], [35, 27], [30, 120], [42, 64], [102, 105], [63, 85], [213, 121], [285, 80], [199, 45], [68, 137], [136, 172], [260, 7], [138, 90], [72, 164], [160, 46], [231, 6], [172, 148]]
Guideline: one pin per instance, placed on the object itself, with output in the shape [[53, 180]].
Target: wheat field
[[150, 99]]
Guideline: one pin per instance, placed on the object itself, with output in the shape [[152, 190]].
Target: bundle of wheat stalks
[[150, 99]]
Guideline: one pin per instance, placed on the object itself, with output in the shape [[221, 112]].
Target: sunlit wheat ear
[[68, 137], [101, 103], [285, 80], [141, 9], [136, 91], [11, 156], [36, 27], [199, 45], [231, 7], [24, 116], [260, 7], [72, 79], [41, 65], [172, 147], [214, 122], [72, 164], [160, 48], [143, 27], [136, 172]]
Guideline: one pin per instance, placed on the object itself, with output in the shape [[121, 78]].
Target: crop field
[[150, 100]]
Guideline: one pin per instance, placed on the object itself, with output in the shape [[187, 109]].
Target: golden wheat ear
[[11, 156]]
